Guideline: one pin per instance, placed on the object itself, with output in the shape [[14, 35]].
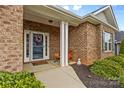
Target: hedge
[[19, 80], [107, 68]]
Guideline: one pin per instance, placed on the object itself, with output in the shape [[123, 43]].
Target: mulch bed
[[92, 81]]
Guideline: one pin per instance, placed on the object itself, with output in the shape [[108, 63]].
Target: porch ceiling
[[40, 11], [40, 18]]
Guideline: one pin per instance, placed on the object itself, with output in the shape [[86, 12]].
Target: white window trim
[[25, 58], [31, 50], [107, 44], [46, 57]]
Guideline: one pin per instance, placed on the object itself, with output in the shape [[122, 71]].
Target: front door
[[36, 46]]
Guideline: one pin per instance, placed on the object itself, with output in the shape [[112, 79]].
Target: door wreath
[[38, 39]]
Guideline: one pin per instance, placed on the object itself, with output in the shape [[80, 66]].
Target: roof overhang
[[94, 20], [53, 13], [60, 14], [109, 13]]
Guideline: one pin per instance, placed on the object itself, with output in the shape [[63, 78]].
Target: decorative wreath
[[37, 39]]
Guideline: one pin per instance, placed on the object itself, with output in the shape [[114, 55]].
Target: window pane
[[105, 46], [37, 46], [110, 46], [107, 37]]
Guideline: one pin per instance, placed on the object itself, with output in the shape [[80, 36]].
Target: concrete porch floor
[[61, 77], [40, 68]]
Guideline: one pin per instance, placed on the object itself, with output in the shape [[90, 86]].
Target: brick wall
[[78, 42], [86, 42], [93, 43], [11, 38], [54, 34]]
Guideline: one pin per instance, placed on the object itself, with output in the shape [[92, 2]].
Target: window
[[107, 41]]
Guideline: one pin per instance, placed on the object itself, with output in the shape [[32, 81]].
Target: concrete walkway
[[62, 77]]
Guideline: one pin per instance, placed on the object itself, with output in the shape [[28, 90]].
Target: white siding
[[102, 16]]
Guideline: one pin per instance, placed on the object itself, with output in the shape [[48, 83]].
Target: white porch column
[[62, 57], [66, 44]]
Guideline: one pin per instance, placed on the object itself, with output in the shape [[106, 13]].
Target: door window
[[37, 46]]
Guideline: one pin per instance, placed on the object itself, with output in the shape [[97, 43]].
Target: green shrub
[[118, 59], [19, 80], [121, 55], [108, 69], [121, 80], [122, 47]]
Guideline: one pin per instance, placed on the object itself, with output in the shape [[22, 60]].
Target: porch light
[[50, 21]]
